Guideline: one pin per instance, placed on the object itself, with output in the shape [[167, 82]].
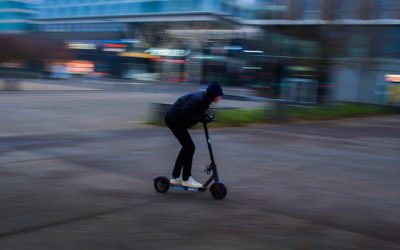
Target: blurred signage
[[168, 52], [115, 46], [393, 89], [179, 61], [392, 78], [232, 47], [81, 45], [137, 55], [15, 65], [130, 40], [211, 58], [80, 67], [393, 94]]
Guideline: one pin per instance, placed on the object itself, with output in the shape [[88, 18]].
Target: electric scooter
[[217, 189]]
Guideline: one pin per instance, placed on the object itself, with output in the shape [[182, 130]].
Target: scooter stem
[[208, 143]]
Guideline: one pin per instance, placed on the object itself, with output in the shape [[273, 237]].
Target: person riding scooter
[[183, 114]]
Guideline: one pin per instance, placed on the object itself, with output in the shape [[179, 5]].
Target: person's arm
[[191, 112]]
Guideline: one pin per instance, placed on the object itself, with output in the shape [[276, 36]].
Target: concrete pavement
[[120, 85], [48, 112], [75, 175]]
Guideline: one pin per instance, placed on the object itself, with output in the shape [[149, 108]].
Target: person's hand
[[209, 118]]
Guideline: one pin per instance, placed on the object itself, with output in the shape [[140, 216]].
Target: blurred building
[[17, 16], [305, 50], [116, 15], [136, 39]]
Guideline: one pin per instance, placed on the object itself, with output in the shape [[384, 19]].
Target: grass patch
[[241, 117], [334, 112]]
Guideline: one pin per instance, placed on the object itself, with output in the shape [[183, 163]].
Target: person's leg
[[188, 157], [185, 156], [176, 172]]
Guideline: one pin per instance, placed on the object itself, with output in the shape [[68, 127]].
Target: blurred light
[[210, 57], [113, 49], [80, 45], [301, 68], [253, 68], [114, 46], [392, 78], [254, 51], [15, 65], [80, 67], [137, 55], [233, 47], [169, 60], [130, 40], [245, 2], [168, 52]]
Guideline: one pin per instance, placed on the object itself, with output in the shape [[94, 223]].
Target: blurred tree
[[26, 55], [29, 48]]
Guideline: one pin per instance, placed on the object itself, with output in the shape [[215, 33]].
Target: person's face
[[217, 99]]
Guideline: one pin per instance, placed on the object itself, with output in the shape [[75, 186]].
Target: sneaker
[[176, 181], [191, 183]]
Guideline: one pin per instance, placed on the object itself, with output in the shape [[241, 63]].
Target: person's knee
[[190, 148]]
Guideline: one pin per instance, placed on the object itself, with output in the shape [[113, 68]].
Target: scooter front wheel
[[161, 184], [218, 190]]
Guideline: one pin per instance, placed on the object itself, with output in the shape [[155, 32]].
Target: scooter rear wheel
[[218, 190], [161, 184]]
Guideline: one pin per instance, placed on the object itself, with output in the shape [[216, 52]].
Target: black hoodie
[[191, 108]]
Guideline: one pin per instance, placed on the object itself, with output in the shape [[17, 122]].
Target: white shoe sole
[[175, 182]]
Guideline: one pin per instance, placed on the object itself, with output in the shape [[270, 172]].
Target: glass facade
[[312, 9], [14, 5], [75, 27], [385, 9], [347, 9], [88, 8], [246, 9], [51, 10], [16, 16], [263, 9]]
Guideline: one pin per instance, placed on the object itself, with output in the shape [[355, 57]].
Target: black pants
[[185, 156]]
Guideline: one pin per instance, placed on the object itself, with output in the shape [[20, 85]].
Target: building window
[[101, 9], [51, 12], [108, 9], [312, 9], [68, 11], [261, 9], [133, 8], [151, 7], [271, 9], [116, 9], [74, 11], [80, 10], [385, 9], [347, 9], [90, 10], [128, 8]]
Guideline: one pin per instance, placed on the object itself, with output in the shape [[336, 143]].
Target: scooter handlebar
[[208, 118]]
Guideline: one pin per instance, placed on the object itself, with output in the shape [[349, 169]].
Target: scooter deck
[[180, 187]]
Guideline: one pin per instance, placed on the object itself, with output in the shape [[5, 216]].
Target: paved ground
[[74, 175], [49, 112], [118, 85]]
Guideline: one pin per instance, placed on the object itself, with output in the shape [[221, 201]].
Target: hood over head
[[213, 90]]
